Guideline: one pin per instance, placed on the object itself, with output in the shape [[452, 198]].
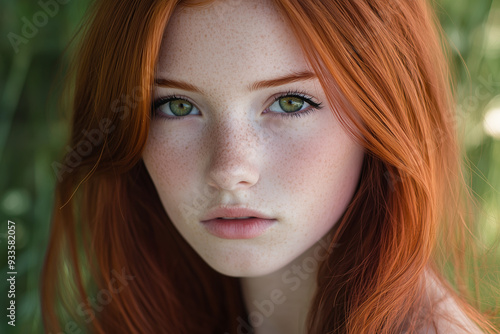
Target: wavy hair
[[116, 264]]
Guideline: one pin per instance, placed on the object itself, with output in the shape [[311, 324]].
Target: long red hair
[[388, 82]]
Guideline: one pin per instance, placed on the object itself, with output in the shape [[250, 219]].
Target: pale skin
[[235, 149]]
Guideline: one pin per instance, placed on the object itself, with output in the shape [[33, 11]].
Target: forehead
[[234, 41]]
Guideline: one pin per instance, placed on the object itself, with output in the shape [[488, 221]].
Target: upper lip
[[233, 212]]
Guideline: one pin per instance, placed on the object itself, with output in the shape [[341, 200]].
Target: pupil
[[181, 107], [291, 104]]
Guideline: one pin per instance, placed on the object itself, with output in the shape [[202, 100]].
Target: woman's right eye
[[173, 107]]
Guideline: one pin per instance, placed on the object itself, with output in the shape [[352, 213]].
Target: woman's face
[[238, 74]]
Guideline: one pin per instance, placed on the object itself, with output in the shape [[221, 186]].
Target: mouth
[[236, 222], [237, 227], [231, 213], [222, 218]]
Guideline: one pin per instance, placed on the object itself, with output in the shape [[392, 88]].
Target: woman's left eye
[[293, 105], [173, 107]]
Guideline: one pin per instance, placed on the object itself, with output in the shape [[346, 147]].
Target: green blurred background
[[33, 131]]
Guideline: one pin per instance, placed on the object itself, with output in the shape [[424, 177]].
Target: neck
[[280, 301]]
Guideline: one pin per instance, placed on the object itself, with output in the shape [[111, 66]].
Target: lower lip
[[238, 228]]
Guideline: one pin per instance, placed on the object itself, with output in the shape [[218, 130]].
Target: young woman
[[258, 166]]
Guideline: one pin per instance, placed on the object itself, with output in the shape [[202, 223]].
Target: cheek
[[310, 161], [172, 164], [318, 172]]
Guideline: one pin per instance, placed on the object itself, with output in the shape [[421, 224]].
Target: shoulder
[[448, 315]]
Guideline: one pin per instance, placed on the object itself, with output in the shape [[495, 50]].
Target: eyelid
[[165, 99], [306, 97]]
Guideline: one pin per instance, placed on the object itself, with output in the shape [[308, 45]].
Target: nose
[[233, 159]]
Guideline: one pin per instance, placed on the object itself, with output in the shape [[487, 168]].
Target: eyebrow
[[177, 84], [294, 77]]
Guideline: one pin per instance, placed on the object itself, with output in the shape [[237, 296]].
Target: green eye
[[180, 107], [291, 103], [173, 107]]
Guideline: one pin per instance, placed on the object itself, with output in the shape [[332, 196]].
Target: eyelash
[[164, 100], [306, 98]]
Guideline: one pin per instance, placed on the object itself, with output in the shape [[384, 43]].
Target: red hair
[[383, 68]]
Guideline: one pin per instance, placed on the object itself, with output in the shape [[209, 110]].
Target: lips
[[234, 212], [237, 223], [238, 228]]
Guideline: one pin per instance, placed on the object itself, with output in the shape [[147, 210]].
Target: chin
[[244, 267], [246, 272]]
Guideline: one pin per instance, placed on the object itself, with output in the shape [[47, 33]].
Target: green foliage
[[33, 132]]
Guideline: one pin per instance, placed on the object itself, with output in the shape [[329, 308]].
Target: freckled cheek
[[310, 160], [172, 163], [320, 171]]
